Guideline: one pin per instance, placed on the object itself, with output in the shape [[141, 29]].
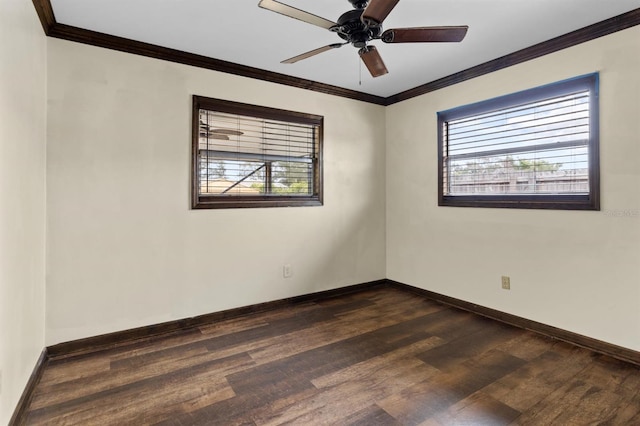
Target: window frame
[[211, 201], [590, 201]]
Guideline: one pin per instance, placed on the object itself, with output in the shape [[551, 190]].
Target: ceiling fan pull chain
[[360, 72]]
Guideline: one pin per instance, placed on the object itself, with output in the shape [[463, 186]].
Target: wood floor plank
[[597, 394], [425, 400], [130, 406], [232, 325], [450, 354], [576, 403], [67, 370], [477, 410], [377, 357], [343, 327], [385, 366], [76, 394], [352, 389], [526, 345], [533, 382], [371, 416], [334, 403]]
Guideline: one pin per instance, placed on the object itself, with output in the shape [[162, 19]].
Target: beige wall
[[22, 197], [579, 271], [123, 247]]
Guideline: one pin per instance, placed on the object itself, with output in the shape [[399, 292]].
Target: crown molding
[[45, 13], [66, 32], [582, 35]]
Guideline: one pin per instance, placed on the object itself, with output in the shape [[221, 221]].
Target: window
[[252, 156], [533, 149]]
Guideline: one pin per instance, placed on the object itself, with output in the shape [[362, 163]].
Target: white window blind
[[541, 142], [541, 147], [241, 155]]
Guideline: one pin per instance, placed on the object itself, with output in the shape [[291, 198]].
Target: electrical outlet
[[287, 271], [506, 283]]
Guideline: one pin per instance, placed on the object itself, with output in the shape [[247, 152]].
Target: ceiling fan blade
[[214, 136], [377, 10], [425, 34], [312, 53], [295, 13], [221, 131], [373, 61]]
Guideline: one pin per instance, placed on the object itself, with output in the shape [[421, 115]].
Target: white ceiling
[[241, 32]]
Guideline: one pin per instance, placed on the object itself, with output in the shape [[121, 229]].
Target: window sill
[[255, 202], [565, 202]]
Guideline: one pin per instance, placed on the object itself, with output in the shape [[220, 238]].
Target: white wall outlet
[[287, 271], [506, 283]]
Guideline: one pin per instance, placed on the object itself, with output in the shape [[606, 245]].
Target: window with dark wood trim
[[253, 156], [532, 149]]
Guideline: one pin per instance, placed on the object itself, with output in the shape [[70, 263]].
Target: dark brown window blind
[[250, 156], [536, 148]]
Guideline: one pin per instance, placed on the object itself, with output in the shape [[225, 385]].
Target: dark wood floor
[[380, 357]]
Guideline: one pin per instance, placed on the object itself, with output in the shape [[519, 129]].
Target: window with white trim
[[253, 156], [532, 149]]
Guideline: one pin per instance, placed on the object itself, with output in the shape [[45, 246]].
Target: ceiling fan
[[364, 24]]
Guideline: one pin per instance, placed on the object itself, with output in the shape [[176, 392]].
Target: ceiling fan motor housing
[[351, 28], [359, 4]]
